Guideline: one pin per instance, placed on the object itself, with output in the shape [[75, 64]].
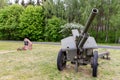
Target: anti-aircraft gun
[[78, 49]]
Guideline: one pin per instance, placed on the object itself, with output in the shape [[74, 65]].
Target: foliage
[[66, 29], [77, 11], [52, 29], [115, 19], [31, 23], [9, 21], [36, 20]]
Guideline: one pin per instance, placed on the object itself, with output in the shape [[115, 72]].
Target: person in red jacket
[[27, 45]]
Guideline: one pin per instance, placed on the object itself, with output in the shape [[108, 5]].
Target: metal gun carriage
[[78, 49]]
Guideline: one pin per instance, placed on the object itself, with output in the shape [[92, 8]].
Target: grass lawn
[[40, 64]]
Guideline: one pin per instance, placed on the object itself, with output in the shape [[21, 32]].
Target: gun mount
[[78, 49]]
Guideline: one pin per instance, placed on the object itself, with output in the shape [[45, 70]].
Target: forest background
[[44, 20]]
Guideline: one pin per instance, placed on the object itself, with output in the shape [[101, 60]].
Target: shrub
[[31, 23], [67, 28], [9, 21], [52, 29]]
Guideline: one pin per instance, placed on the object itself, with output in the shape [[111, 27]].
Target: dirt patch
[[6, 51]]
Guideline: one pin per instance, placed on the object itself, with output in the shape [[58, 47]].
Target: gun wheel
[[95, 64], [61, 60]]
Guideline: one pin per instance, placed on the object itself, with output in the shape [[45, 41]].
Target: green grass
[[40, 64]]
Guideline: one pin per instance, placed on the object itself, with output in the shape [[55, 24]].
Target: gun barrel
[[90, 19], [82, 39]]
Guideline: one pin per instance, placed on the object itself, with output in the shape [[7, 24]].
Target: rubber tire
[[95, 64], [60, 64]]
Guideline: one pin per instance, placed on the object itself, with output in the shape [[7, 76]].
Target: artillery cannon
[[78, 49]]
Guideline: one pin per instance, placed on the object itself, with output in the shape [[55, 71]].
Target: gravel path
[[109, 47]]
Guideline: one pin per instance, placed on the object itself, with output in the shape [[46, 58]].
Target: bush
[[52, 29], [67, 28], [9, 21], [31, 23]]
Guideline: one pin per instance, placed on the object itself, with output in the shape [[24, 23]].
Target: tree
[[38, 2], [16, 1], [30, 2], [48, 7], [23, 3], [3, 3], [114, 21]]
